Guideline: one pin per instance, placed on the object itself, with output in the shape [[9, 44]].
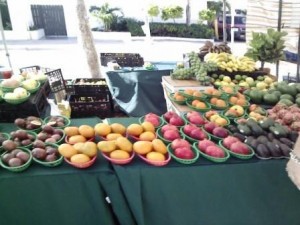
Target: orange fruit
[[147, 126], [197, 94], [119, 154], [216, 92], [77, 138], [241, 102], [221, 121], [102, 129], [176, 94], [147, 136], [71, 131], [135, 129], [201, 105], [179, 98], [189, 91], [118, 128], [155, 156], [233, 99], [67, 150], [86, 131], [220, 103], [228, 89], [195, 102], [142, 147], [239, 95], [209, 90], [214, 100]]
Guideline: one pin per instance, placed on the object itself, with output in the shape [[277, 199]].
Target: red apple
[[154, 120], [240, 148], [192, 113], [204, 144], [198, 134], [166, 127], [210, 126], [184, 153], [168, 115], [198, 120], [179, 142], [151, 115], [188, 128], [215, 151], [171, 135], [228, 141], [220, 132], [176, 120]]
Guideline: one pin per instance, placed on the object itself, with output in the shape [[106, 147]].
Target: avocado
[[249, 140], [271, 136], [277, 142], [256, 96], [274, 149], [270, 99], [262, 139], [241, 137], [293, 136], [266, 123], [285, 150], [256, 129], [262, 151], [244, 129], [298, 101], [278, 131], [253, 144], [286, 141], [287, 96], [232, 128]]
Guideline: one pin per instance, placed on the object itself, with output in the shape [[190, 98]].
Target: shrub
[[172, 12]]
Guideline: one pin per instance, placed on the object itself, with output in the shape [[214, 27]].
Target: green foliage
[[266, 47], [171, 12], [207, 15], [153, 11], [105, 14], [134, 27], [181, 30], [218, 6]]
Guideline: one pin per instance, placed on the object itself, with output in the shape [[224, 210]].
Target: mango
[[71, 131], [118, 128], [76, 138], [113, 136], [159, 146], [80, 158], [135, 129], [147, 126], [147, 136], [124, 144], [67, 150], [107, 146], [119, 154], [155, 156], [88, 148], [142, 147], [102, 129], [86, 131]]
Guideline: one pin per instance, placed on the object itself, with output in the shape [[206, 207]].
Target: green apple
[[261, 85], [29, 84], [20, 92], [249, 80], [11, 95]]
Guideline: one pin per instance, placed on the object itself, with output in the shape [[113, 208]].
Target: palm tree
[[87, 41], [105, 14]]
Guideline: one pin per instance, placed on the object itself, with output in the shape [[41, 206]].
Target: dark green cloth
[[242, 192], [64, 194], [138, 92]]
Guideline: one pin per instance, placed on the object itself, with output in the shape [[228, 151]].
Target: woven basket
[[81, 165], [16, 101], [211, 158], [183, 161], [31, 91], [156, 163], [18, 168], [236, 155], [119, 161], [50, 164]]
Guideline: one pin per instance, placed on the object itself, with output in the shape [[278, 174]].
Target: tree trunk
[[87, 40], [216, 28], [224, 22], [188, 13]]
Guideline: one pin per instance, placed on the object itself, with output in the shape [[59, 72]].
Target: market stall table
[[62, 195], [236, 192], [139, 91]]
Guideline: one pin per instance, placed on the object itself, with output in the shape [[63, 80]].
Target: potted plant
[[267, 47]]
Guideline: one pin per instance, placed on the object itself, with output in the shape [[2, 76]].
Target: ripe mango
[[118, 128], [147, 136], [119, 154], [107, 146], [113, 136], [67, 150], [76, 138], [71, 131], [80, 158], [102, 129], [142, 147], [86, 131], [88, 148], [124, 144], [155, 156], [159, 146]]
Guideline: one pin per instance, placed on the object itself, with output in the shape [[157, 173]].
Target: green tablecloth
[[237, 192], [62, 195], [140, 91]]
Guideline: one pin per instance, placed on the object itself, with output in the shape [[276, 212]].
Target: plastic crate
[[85, 106], [37, 105], [56, 80], [123, 59], [89, 86]]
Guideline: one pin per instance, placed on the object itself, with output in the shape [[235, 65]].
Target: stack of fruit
[[173, 119], [15, 159], [182, 151], [193, 133], [211, 151], [141, 132], [237, 148], [168, 133]]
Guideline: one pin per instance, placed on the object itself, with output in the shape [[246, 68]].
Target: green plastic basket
[[189, 104], [236, 155], [183, 161], [162, 122], [187, 96], [216, 138], [235, 90], [6, 136], [222, 116], [211, 158], [67, 122], [160, 136], [16, 101], [35, 137], [18, 168], [231, 119], [184, 116], [218, 107], [32, 91], [37, 130], [53, 163], [171, 97], [193, 140], [246, 106]]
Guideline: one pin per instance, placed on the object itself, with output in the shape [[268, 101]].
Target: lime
[[238, 77]]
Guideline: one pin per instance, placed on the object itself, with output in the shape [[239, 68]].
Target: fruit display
[[29, 123], [228, 62], [19, 138], [46, 154], [173, 119], [237, 148], [210, 47], [31, 85], [76, 134], [168, 133], [142, 132], [211, 151], [16, 159], [198, 105], [193, 94], [234, 111], [49, 134], [109, 131], [10, 84], [215, 117], [17, 96], [38, 75], [177, 97], [3, 137], [57, 121], [193, 133], [194, 118], [216, 132], [182, 151]]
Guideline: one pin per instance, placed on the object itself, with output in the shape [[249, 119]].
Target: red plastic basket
[[156, 163], [83, 165], [119, 161]]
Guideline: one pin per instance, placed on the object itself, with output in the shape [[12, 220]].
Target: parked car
[[239, 26]]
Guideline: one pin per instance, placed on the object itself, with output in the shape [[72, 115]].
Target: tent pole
[[279, 29]]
